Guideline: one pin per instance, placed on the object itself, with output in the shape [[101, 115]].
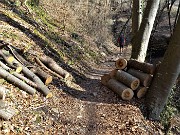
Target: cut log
[[18, 75], [6, 112], [145, 67], [105, 78], [17, 82], [19, 57], [126, 79], [121, 63], [43, 75], [145, 79], [119, 88], [54, 66], [141, 91], [40, 85]]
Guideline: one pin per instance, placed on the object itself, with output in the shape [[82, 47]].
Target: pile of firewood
[[130, 78], [28, 77]]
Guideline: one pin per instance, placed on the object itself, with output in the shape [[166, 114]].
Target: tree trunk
[[122, 90], [126, 79], [145, 67], [165, 77], [136, 15], [145, 79], [141, 39]]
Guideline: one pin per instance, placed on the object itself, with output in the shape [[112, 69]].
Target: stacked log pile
[[28, 77], [129, 78]]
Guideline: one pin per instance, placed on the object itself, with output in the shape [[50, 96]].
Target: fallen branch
[[31, 83], [17, 82], [3, 92], [43, 75], [125, 78], [122, 90], [105, 78], [54, 66]]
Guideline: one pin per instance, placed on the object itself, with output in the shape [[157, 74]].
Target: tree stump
[[145, 79], [119, 88], [125, 78]]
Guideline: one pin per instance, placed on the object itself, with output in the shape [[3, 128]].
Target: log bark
[[105, 78], [141, 91], [54, 66], [119, 88], [121, 63], [126, 79], [6, 112], [145, 67], [19, 57], [17, 82], [18, 75], [3, 92], [40, 85], [47, 79], [145, 79]]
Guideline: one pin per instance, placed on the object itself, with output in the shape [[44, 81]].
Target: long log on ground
[[121, 63], [54, 66], [6, 112], [44, 66], [141, 91], [40, 85], [126, 78], [145, 67], [3, 92], [47, 79], [31, 83], [145, 79], [17, 82], [119, 88], [19, 57], [105, 78]]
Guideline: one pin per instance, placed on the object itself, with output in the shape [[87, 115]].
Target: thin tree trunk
[[165, 77], [141, 39]]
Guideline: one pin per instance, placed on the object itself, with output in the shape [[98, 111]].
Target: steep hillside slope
[[83, 106]]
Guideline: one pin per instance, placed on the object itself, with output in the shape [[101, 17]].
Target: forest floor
[[82, 107]]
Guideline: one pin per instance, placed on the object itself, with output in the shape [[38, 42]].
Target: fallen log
[[141, 91], [121, 63], [119, 88], [54, 66], [145, 79], [145, 67], [31, 83], [6, 112], [47, 79], [40, 85], [125, 78], [17, 82], [105, 78]]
